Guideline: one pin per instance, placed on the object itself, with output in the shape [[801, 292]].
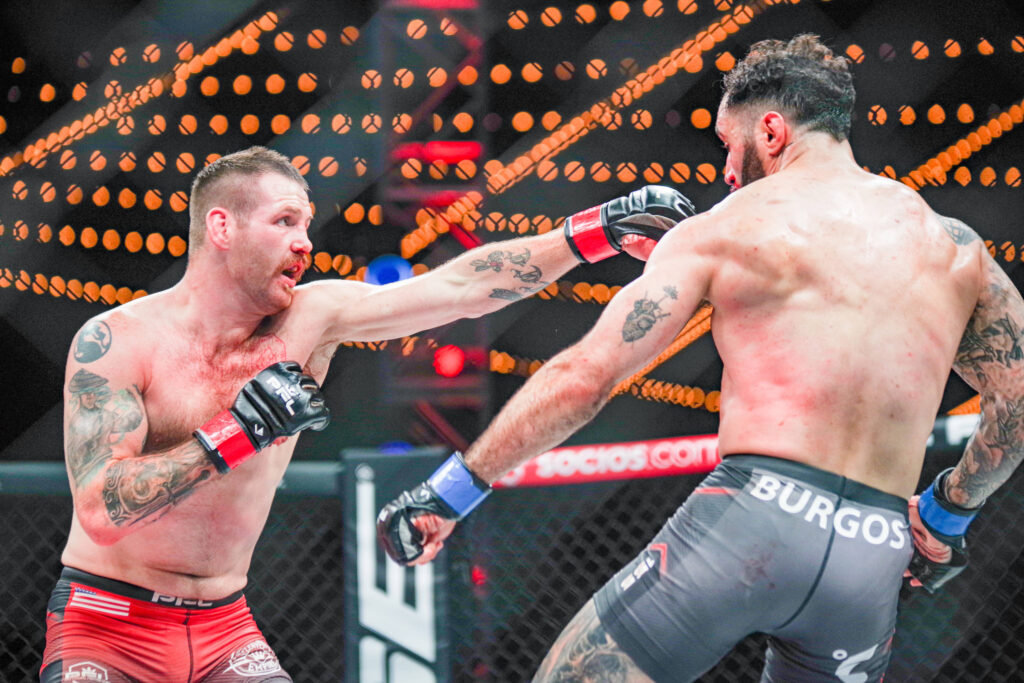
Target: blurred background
[[424, 128]]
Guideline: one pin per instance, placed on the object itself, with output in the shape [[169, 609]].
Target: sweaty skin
[[150, 508], [840, 300]]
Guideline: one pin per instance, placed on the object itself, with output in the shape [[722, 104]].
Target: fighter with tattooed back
[[181, 411], [841, 301]]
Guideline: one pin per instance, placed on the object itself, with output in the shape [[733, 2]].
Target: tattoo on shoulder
[[645, 314], [98, 419], [93, 341], [958, 231]]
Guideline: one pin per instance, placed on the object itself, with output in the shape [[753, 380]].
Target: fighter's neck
[[815, 150], [216, 314]]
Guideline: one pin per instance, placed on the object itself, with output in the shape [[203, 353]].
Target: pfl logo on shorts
[[254, 659], [650, 563], [85, 671]]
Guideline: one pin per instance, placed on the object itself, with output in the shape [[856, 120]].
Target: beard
[[752, 169]]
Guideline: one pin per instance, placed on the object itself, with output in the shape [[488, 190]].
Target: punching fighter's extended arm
[[491, 276], [991, 360], [566, 393], [116, 488]]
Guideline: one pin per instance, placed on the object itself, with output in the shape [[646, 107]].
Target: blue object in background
[[387, 268]]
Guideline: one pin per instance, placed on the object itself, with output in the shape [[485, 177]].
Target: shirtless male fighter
[[841, 301], [180, 405]]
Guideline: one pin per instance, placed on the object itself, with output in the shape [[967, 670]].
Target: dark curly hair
[[801, 77]]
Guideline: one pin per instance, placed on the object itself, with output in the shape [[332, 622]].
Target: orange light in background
[[280, 124]]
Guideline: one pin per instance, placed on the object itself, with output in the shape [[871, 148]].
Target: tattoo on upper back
[[93, 341], [958, 231], [645, 314], [98, 420]]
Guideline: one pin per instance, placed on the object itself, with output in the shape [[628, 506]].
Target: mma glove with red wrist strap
[[596, 234], [279, 401], [946, 522], [451, 492]]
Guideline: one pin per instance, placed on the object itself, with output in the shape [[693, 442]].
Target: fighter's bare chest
[[186, 388]]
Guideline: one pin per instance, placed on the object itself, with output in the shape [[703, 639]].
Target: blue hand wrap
[[941, 515], [457, 486]]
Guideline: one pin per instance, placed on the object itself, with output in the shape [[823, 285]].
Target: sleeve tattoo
[[98, 420], [140, 487], [991, 359], [134, 487]]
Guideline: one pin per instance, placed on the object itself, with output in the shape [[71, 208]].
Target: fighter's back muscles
[[991, 359], [115, 488]]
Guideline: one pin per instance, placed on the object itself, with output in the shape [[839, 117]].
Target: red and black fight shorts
[[98, 629]]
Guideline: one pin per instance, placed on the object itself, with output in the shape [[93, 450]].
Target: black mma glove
[[279, 401], [597, 233], [451, 492], [946, 522]]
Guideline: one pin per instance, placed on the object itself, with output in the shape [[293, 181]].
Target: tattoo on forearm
[[991, 359], [496, 260], [994, 452], [137, 488], [528, 273], [585, 652], [98, 420], [645, 314], [958, 231]]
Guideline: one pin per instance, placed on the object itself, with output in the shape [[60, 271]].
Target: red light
[[452, 151], [449, 360], [478, 575]]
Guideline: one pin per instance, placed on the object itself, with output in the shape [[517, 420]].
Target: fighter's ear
[[774, 131], [218, 224]]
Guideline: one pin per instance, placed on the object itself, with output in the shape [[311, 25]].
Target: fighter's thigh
[[254, 662], [83, 669], [585, 652]]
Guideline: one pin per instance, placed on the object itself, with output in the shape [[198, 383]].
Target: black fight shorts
[[810, 558]]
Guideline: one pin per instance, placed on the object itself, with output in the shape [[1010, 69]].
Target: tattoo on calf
[[137, 488], [646, 312], [98, 419]]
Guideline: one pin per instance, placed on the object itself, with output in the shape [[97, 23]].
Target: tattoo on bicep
[[93, 341], [958, 231], [645, 314], [98, 419], [585, 652], [136, 488]]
